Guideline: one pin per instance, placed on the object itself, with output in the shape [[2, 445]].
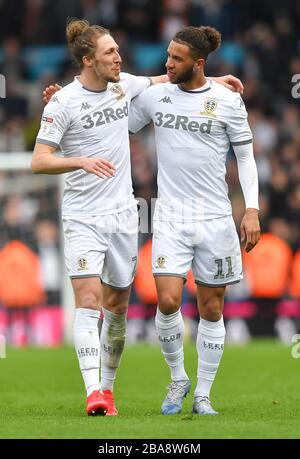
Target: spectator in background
[[21, 287], [39, 23], [46, 232], [100, 12], [13, 225], [174, 18], [13, 65], [140, 19]]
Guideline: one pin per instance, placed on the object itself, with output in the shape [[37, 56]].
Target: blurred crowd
[[260, 45]]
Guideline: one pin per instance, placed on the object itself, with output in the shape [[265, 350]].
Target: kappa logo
[[166, 100], [54, 99], [85, 106]]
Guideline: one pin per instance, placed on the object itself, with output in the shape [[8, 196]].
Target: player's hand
[[98, 166], [230, 82], [49, 91], [250, 229]]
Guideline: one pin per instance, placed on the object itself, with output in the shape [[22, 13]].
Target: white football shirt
[[193, 132], [87, 123]]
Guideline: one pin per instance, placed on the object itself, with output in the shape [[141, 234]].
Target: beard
[[113, 79], [184, 77], [108, 78]]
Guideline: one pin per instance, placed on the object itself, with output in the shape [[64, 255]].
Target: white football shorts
[[102, 246], [210, 247]]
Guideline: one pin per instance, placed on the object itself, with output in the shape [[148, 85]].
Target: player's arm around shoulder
[[140, 113], [49, 91], [159, 79], [230, 82]]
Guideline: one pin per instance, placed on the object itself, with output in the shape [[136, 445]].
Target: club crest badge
[[161, 261], [209, 106], [117, 90], [82, 264]]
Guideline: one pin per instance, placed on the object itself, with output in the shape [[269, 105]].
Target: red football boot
[[96, 404], [111, 407]]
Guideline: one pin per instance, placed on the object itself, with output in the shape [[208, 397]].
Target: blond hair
[[82, 37]]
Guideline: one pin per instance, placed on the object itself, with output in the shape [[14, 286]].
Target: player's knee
[[119, 308], [117, 302], [212, 309], [168, 304], [88, 300]]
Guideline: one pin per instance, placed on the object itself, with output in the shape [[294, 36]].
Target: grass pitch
[[256, 392]]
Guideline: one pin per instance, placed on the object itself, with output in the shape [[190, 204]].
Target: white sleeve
[[237, 127], [139, 114], [137, 84], [247, 174], [54, 123]]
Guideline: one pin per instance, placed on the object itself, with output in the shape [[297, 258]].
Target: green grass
[[256, 392]]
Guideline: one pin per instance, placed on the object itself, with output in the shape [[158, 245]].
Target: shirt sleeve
[[54, 123], [237, 128], [247, 174], [137, 84], [139, 114]]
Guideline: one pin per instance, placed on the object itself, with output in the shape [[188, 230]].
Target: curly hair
[[200, 40]]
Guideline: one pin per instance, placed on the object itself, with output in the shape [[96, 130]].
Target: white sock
[[87, 346], [112, 343], [210, 346], [170, 335]]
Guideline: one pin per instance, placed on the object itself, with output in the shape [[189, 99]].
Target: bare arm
[[159, 79], [229, 81], [45, 162], [52, 89]]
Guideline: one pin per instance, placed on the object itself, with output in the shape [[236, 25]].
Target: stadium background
[[260, 46]]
